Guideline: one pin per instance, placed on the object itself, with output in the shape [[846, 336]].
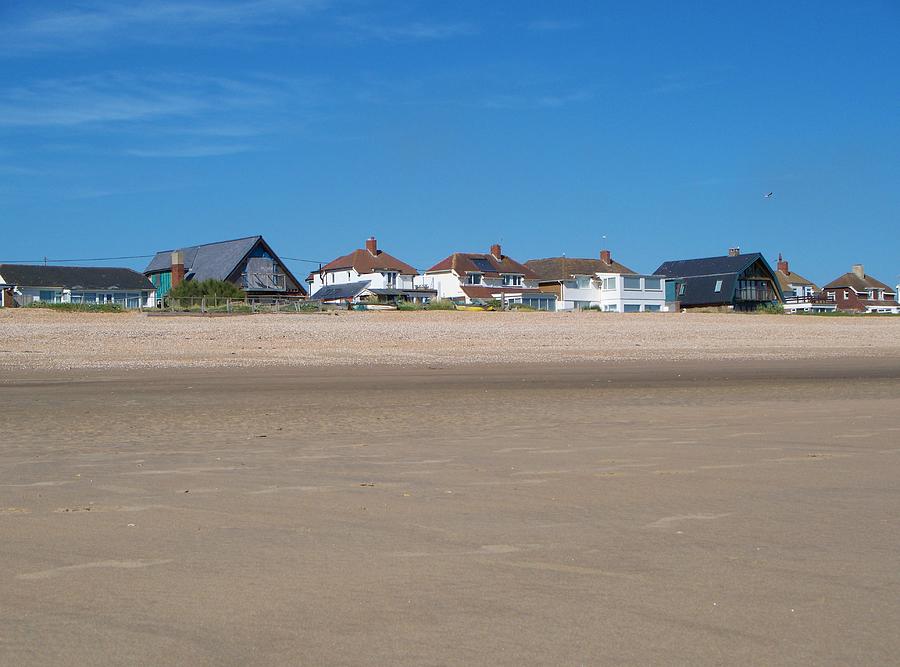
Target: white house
[[603, 283], [26, 284], [367, 272], [801, 295], [475, 277]]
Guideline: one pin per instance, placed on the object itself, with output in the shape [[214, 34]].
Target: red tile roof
[[563, 268], [464, 262], [362, 261]]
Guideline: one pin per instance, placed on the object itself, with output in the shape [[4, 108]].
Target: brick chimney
[[495, 251], [605, 257], [734, 252], [177, 268], [783, 266], [859, 271], [372, 245]]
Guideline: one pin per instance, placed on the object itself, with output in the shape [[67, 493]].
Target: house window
[[718, 287], [611, 308], [631, 283], [390, 278], [830, 296], [846, 294], [681, 289], [473, 279], [48, 296], [511, 279], [632, 308], [654, 284], [652, 308], [609, 283]]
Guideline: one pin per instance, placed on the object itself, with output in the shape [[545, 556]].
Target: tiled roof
[[362, 261], [857, 283], [707, 266], [74, 277], [487, 264], [785, 280], [563, 268]]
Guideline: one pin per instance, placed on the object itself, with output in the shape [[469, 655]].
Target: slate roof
[[700, 276], [340, 291], [468, 262], [563, 268], [707, 266], [210, 260], [846, 280], [74, 277], [362, 261]]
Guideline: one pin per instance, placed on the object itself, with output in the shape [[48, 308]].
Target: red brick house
[[861, 293]]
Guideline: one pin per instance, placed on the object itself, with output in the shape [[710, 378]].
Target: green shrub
[[79, 307], [771, 309], [409, 305], [440, 304], [221, 289]]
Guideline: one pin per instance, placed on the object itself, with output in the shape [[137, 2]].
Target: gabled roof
[[785, 280], [215, 261], [74, 277], [362, 261], [340, 291], [563, 268], [852, 280], [701, 276], [708, 266], [487, 264], [210, 260]]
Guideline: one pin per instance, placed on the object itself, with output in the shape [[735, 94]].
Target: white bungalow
[[26, 284]]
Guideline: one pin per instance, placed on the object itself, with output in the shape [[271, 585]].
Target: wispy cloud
[[406, 31], [539, 101], [106, 23], [552, 25], [121, 98], [211, 150], [683, 82]]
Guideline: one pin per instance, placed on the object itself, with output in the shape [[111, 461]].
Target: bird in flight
[[768, 195]]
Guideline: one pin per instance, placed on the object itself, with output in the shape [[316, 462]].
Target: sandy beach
[[449, 488]]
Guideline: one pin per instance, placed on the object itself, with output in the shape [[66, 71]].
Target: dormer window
[[473, 279], [390, 278], [511, 279]]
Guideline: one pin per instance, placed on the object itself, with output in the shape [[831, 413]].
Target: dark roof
[[210, 260], [563, 268], [707, 266], [340, 291], [700, 277], [74, 277], [215, 260], [469, 262], [863, 284], [362, 261]]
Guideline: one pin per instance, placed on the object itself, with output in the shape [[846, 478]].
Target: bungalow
[[736, 281], [475, 278], [23, 284], [800, 294], [600, 283], [861, 293], [248, 263], [367, 273]]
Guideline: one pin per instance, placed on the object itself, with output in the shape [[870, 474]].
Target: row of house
[[737, 281]]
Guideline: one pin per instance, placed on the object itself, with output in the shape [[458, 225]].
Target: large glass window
[[653, 284], [609, 283], [631, 282], [632, 308], [510, 279], [652, 308], [473, 279]]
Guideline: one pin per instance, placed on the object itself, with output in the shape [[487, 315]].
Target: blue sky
[[651, 128]]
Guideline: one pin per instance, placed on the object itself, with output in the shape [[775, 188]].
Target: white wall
[[377, 280], [592, 293]]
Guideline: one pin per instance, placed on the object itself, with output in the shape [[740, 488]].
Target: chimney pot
[[605, 257], [734, 252], [495, 251], [783, 266], [859, 271], [372, 245], [177, 268]]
